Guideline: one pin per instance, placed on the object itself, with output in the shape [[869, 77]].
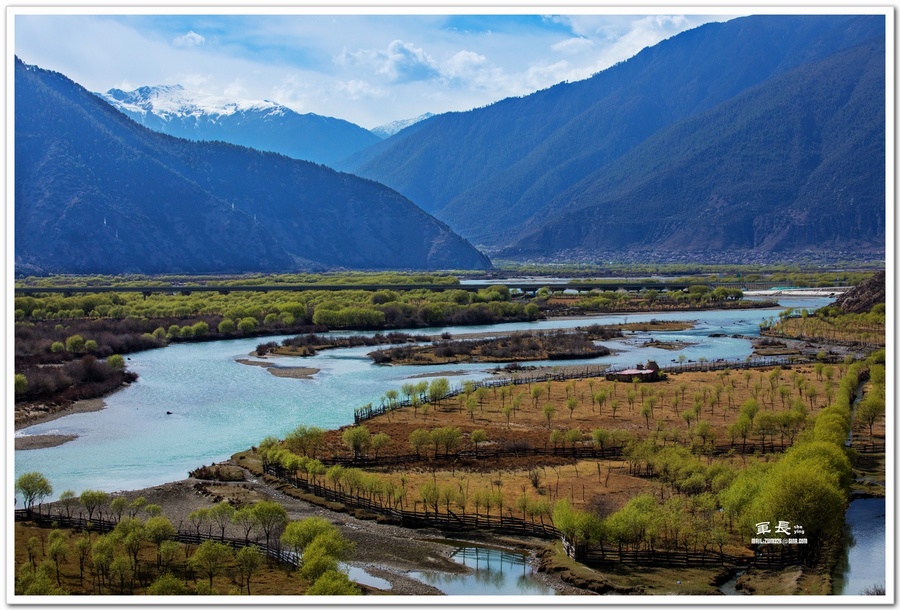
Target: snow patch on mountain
[[174, 101], [389, 129]]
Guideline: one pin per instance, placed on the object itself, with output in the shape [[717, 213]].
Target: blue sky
[[365, 68]]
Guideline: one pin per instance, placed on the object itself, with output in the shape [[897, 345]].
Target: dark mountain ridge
[[766, 171], [97, 193], [490, 171]]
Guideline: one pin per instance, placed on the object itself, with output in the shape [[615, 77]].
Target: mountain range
[[95, 192], [262, 125], [759, 134]]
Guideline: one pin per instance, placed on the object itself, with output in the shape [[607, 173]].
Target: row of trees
[[114, 563], [276, 308]]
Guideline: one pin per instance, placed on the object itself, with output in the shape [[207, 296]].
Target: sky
[[369, 69]]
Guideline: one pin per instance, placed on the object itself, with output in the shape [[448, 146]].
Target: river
[[862, 562], [219, 407]]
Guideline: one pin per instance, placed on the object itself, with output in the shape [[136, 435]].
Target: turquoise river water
[[220, 407]]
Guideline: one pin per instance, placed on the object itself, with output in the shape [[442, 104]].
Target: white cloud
[[542, 76], [573, 46], [358, 90], [235, 89], [401, 62], [473, 70], [292, 92], [191, 39], [194, 81], [407, 63]]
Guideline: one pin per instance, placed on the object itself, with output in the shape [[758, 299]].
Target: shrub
[[247, 325], [75, 343]]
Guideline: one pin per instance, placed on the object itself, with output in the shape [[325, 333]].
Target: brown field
[[588, 483]]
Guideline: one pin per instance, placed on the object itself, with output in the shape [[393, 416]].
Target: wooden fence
[[447, 521]]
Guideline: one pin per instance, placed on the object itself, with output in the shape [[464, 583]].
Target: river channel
[[218, 406]]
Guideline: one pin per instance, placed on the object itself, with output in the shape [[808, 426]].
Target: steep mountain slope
[[796, 163], [488, 171], [262, 125], [97, 193]]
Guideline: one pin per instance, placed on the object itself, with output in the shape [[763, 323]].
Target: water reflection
[[862, 563], [495, 572]]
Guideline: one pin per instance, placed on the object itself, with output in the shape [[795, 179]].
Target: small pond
[[495, 572]]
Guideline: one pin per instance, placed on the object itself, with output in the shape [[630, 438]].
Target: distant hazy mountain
[[389, 129], [262, 125], [97, 193], [763, 132]]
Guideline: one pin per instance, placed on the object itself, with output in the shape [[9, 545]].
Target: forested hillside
[[97, 193], [489, 171], [796, 163]]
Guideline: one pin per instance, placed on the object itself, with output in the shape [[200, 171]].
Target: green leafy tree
[[379, 442], [159, 530], [323, 553], [871, 410], [221, 514], [93, 500], [20, 383], [116, 361], [438, 389], [75, 344], [33, 487], [571, 405], [248, 561], [245, 520], [117, 507], [507, 413], [549, 411], [334, 582], [357, 439], [270, 516], [298, 534], [601, 438], [478, 436], [418, 438], [167, 584], [247, 325], [210, 558]]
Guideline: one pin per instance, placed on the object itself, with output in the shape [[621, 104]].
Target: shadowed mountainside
[[97, 193]]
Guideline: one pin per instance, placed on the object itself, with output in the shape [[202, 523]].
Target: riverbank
[[31, 415]]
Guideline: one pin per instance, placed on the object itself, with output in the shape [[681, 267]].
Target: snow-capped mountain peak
[[170, 101], [260, 124], [389, 129]]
